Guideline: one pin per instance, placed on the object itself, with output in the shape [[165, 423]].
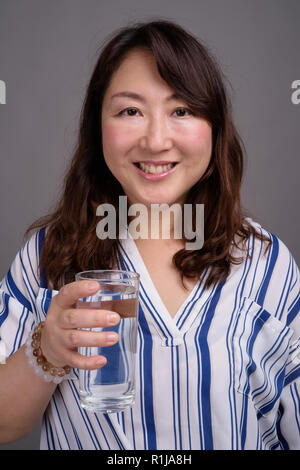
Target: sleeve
[[18, 291], [288, 424]]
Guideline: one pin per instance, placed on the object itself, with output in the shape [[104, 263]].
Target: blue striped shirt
[[222, 374]]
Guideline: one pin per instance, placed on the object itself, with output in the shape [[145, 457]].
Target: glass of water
[[111, 388]]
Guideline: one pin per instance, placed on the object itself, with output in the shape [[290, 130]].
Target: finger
[[79, 361], [70, 293], [81, 338], [88, 318]]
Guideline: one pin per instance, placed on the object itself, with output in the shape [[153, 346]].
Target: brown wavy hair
[[188, 67]]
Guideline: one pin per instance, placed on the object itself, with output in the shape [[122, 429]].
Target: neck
[[157, 222]]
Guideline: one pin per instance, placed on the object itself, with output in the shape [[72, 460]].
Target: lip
[[155, 162], [157, 176]]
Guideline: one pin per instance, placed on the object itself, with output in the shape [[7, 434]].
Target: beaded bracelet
[[40, 364]]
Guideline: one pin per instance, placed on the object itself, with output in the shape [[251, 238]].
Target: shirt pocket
[[261, 345]]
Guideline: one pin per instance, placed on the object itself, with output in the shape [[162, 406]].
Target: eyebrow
[[136, 96]]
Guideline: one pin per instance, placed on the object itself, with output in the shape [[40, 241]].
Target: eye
[[181, 112], [128, 112]]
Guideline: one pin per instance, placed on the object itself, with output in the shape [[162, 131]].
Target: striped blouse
[[222, 374]]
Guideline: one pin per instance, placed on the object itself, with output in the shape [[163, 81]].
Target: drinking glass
[[111, 388]]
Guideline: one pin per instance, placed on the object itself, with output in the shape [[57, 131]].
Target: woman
[[218, 347]]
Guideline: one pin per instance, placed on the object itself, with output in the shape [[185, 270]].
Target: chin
[[167, 201], [155, 198]]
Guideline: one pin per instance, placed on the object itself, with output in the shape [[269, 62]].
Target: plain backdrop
[[47, 53]]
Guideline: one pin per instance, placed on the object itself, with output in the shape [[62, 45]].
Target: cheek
[[197, 138], [114, 140]]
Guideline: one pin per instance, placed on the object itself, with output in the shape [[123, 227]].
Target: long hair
[[187, 66]]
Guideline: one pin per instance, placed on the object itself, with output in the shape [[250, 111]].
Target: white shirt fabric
[[222, 374]]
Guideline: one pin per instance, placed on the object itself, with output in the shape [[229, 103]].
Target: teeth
[[155, 169]]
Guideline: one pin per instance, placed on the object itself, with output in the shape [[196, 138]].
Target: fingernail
[[112, 318], [111, 337], [101, 361], [91, 285]]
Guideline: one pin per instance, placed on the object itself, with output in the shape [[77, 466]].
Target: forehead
[[135, 60], [137, 69]]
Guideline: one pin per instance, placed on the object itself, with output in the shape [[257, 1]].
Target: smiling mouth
[[155, 168]]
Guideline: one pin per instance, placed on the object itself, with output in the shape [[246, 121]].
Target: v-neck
[[150, 281], [171, 329]]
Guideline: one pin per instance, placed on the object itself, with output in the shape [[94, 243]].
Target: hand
[[61, 337]]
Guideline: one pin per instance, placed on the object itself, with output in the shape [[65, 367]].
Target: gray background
[[47, 52]]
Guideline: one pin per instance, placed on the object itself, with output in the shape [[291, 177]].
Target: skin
[[61, 337], [155, 129]]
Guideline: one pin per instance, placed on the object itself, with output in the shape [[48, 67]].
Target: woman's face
[[153, 145]]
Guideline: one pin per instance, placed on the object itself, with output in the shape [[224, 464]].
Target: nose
[[157, 136]]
